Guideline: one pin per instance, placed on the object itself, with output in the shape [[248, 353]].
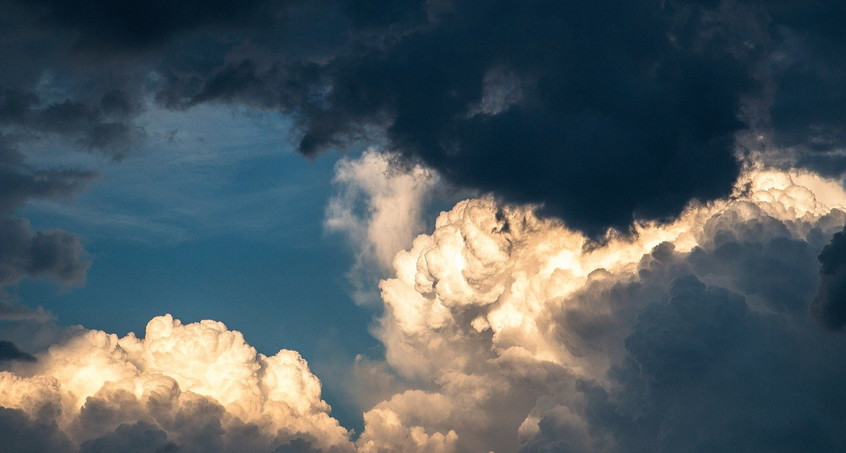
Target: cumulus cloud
[[186, 387], [379, 208], [513, 332]]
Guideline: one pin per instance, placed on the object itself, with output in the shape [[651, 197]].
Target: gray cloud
[[28, 253], [140, 437], [829, 305], [22, 434], [25, 252], [10, 351]]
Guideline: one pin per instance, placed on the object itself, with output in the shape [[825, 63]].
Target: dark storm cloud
[[25, 252], [601, 112], [829, 306], [809, 67], [571, 105]]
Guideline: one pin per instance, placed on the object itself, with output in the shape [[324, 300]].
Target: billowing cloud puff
[[515, 332], [194, 387], [379, 208]]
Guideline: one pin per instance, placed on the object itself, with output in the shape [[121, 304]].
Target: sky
[[422, 226]]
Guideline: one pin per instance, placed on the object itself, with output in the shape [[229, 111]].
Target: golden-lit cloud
[[198, 383], [498, 307]]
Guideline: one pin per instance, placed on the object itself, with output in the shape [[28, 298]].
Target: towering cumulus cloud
[[196, 387], [517, 333]]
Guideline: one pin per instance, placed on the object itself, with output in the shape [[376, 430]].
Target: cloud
[[576, 110], [28, 253], [808, 106], [9, 351], [25, 252], [829, 305], [379, 208], [512, 332], [572, 107], [191, 387], [21, 434]]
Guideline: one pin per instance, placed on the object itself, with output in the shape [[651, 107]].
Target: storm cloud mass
[[649, 255], [575, 106]]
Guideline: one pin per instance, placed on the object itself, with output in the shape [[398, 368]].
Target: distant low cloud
[[28, 253]]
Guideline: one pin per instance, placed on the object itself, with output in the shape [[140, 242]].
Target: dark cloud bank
[[599, 111]]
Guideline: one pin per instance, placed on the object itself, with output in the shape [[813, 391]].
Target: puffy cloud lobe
[[682, 336], [195, 387], [137, 437], [21, 434], [391, 426]]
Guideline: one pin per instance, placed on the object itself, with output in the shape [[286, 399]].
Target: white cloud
[[200, 384], [379, 208]]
